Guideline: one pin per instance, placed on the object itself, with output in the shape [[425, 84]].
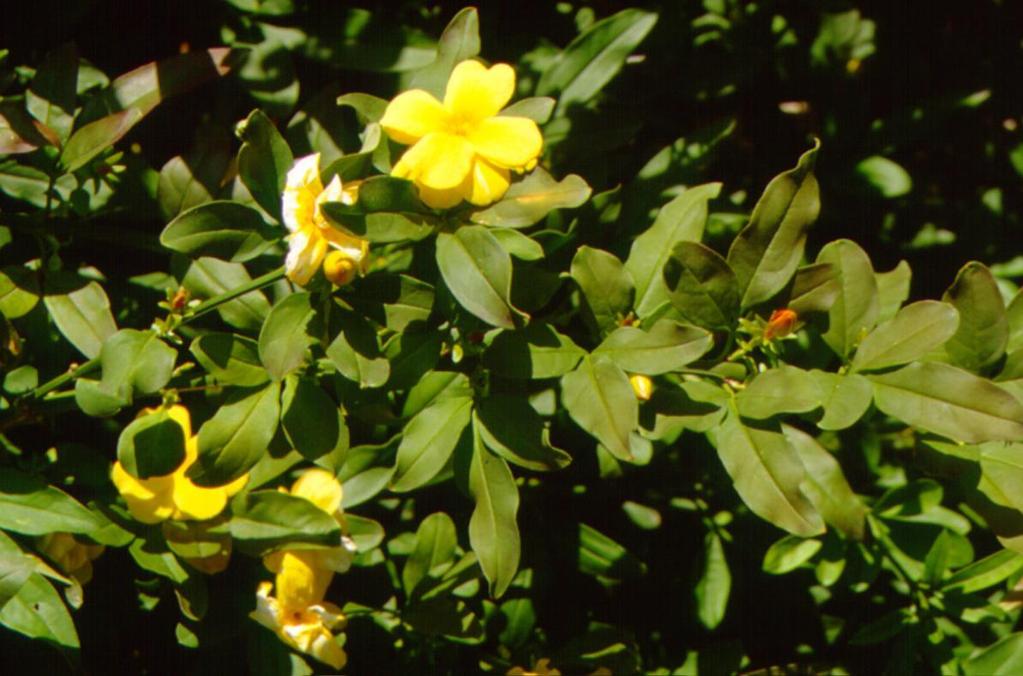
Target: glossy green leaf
[[949, 401], [1005, 656], [528, 201], [38, 612], [983, 326], [1014, 318], [511, 428], [286, 335], [309, 417], [30, 507], [135, 362], [701, 286], [356, 353], [19, 291], [478, 271], [715, 584], [814, 289], [264, 161], [434, 553], [89, 141], [893, 289], [536, 108], [429, 440], [518, 245], [209, 277], [151, 445], [844, 398], [606, 285], [593, 58], [493, 531], [265, 520], [785, 389], [367, 471], [411, 355], [766, 253], [230, 359], [51, 96], [82, 315], [535, 352], [857, 306], [767, 475], [237, 435], [602, 557], [789, 553], [885, 176], [826, 486], [599, 398], [226, 230], [986, 572], [667, 346], [914, 332], [680, 220], [459, 41]]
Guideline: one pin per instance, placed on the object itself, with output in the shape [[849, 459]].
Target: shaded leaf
[[530, 200], [599, 398]]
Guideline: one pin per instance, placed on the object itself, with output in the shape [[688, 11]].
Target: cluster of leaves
[[515, 496]]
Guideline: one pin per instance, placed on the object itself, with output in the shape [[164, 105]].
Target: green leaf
[[493, 531], [844, 398], [459, 41], [814, 289], [82, 315], [405, 299], [51, 96], [949, 401], [134, 362], [19, 291], [785, 389], [1014, 317], [478, 271], [356, 353], [210, 277], [856, 309], [151, 445], [593, 58], [600, 400], [30, 507], [226, 230], [983, 326], [885, 176], [264, 161], [985, 573], [606, 285], [767, 475], [511, 428], [230, 359], [715, 584], [536, 108], [528, 201], [680, 220], [766, 253], [286, 335], [602, 557], [429, 440], [367, 470], [15, 569], [266, 520], [535, 352], [520, 246], [913, 333], [310, 418], [369, 108], [1002, 466], [1005, 656], [434, 387], [893, 289], [411, 355], [826, 486], [237, 435], [38, 612], [701, 286], [667, 346], [92, 139], [434, 553], [789, 553]]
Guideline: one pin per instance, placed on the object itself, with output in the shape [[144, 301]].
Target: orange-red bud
[[780, 324]]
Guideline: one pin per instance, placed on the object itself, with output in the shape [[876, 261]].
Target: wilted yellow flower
[[174, 496], [72, 557], [642, 386], [212, 550], [305, 627], [311, 234], [462, 149]]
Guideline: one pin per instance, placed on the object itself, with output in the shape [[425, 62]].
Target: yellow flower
[[462, 149], [306, 628], [70, 556], [174, 496], [642, 386], [311, 234]]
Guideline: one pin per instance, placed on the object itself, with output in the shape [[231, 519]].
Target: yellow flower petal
[[475, 92], [412, 115], [509, 142], [148, 500], [236, 485], [439, 161], [306, 249], [197, 502], [302, 187], [300, 582], [489, 182], [321, 488], [445, 199]]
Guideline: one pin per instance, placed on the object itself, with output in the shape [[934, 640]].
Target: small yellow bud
[[339, 268], [642, 386], [780, 324]]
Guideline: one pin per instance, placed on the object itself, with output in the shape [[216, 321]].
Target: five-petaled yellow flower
[[174, 496], [72, 557], [298, 614], [462, 149], [311, 234]]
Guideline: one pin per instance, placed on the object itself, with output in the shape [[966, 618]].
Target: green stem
[[206, 306]]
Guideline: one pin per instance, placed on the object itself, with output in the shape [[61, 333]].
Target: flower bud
[[780, 324], [339, 268], [642, 386]]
